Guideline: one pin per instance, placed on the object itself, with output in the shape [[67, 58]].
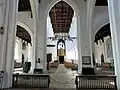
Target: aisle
[[63, 78]]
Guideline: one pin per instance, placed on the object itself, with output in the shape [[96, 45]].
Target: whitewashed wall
[[100, 18], [25, 17]]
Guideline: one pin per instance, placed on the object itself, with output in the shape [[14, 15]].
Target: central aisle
[[63, 78]]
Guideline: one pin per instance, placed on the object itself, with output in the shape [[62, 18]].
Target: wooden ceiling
[[101, 3], [103, 32], [24, 5], [23, 34], [61, 16]]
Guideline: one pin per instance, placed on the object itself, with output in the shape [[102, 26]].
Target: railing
[[31, 81], [95, 82], [1, 79]]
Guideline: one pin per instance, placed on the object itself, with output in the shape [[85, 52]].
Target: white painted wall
[[100, 18], [25, 17]]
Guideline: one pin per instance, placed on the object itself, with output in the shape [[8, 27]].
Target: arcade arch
[[74, 27], [23, 48]]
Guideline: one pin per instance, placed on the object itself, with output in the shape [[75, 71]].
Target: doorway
[[61, 59]]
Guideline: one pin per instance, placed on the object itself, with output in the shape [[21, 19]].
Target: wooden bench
[[31, 81], [96, 82]]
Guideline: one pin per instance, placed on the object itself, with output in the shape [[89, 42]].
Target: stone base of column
[[118, 82], [7, 80]]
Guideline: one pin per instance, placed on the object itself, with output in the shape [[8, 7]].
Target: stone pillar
[[8, 40], [89, 19], [17, 50], [79, 45], [29, 52], [2, 5], [85, 35], [41, 37], [30, 57], [20, 49], [26, 52], [105, 49], [114, 16]]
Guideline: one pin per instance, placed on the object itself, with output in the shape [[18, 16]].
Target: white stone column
[[89, 20], [30, 57], [2, 5], [29, 52], [8, 40], [84, 35], [41, 37], [17, 50], [79, 45], [114, 16], [20, 48], [26, 52], [105, 49]]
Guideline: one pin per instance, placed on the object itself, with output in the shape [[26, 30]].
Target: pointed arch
[[26, 28], [70, 2]]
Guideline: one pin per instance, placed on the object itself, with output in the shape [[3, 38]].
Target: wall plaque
[[86, 60]]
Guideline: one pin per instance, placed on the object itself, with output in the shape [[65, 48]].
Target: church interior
[[54, 44]]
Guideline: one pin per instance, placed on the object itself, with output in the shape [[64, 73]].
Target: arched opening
[[23, 50], [24, 43], [62, 25], [103, 48]]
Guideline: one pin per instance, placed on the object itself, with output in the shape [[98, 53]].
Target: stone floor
[[62, 78]]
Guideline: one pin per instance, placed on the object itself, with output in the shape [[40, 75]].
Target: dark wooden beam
[[24, 5], [61, 17], [101, 3]]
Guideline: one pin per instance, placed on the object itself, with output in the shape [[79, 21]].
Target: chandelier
[[63, 36]]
